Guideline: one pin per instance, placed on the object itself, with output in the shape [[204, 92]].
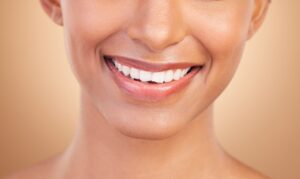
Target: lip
[[153, 67], [150, 92]]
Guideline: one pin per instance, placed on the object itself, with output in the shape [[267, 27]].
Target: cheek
[[225, 44], [221, 27], [86, 26], [223, 35], [89, 23]]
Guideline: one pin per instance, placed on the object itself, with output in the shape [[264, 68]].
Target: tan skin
[[122, 137]]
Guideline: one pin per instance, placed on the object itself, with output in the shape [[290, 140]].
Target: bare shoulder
[[240, 170], [253, 174], [40, 170]]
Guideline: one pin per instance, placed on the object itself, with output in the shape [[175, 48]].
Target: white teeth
[[146, 76], [177, 74], [119, 66], [125, 70], [169, 76], [183, 72], [158, 77], [134, 73]]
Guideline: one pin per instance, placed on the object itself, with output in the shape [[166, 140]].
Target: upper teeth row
[[146, 76]]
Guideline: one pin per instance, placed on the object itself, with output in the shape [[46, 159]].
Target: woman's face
[[156, 38]]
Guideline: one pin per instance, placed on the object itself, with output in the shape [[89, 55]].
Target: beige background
[[257, 118]]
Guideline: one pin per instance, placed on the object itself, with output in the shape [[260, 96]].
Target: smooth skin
[[121, 137]]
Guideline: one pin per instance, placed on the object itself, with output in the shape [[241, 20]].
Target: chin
[[148, 128], [148, 134]]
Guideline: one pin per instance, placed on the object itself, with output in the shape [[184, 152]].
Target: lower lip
[[149, 92]]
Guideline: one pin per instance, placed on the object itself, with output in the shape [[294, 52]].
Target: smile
[[150, 82], [148, 76]]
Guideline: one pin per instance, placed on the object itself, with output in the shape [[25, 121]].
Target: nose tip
[[157, 25], [156, 37]]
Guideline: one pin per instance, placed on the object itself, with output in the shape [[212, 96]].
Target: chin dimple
[[151, 77]]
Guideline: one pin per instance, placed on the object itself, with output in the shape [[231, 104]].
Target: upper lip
[[150, 66]]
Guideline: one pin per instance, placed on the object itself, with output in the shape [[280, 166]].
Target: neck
[[99, 151]]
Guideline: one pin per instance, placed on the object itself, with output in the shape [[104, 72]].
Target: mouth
[[150, 82]]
